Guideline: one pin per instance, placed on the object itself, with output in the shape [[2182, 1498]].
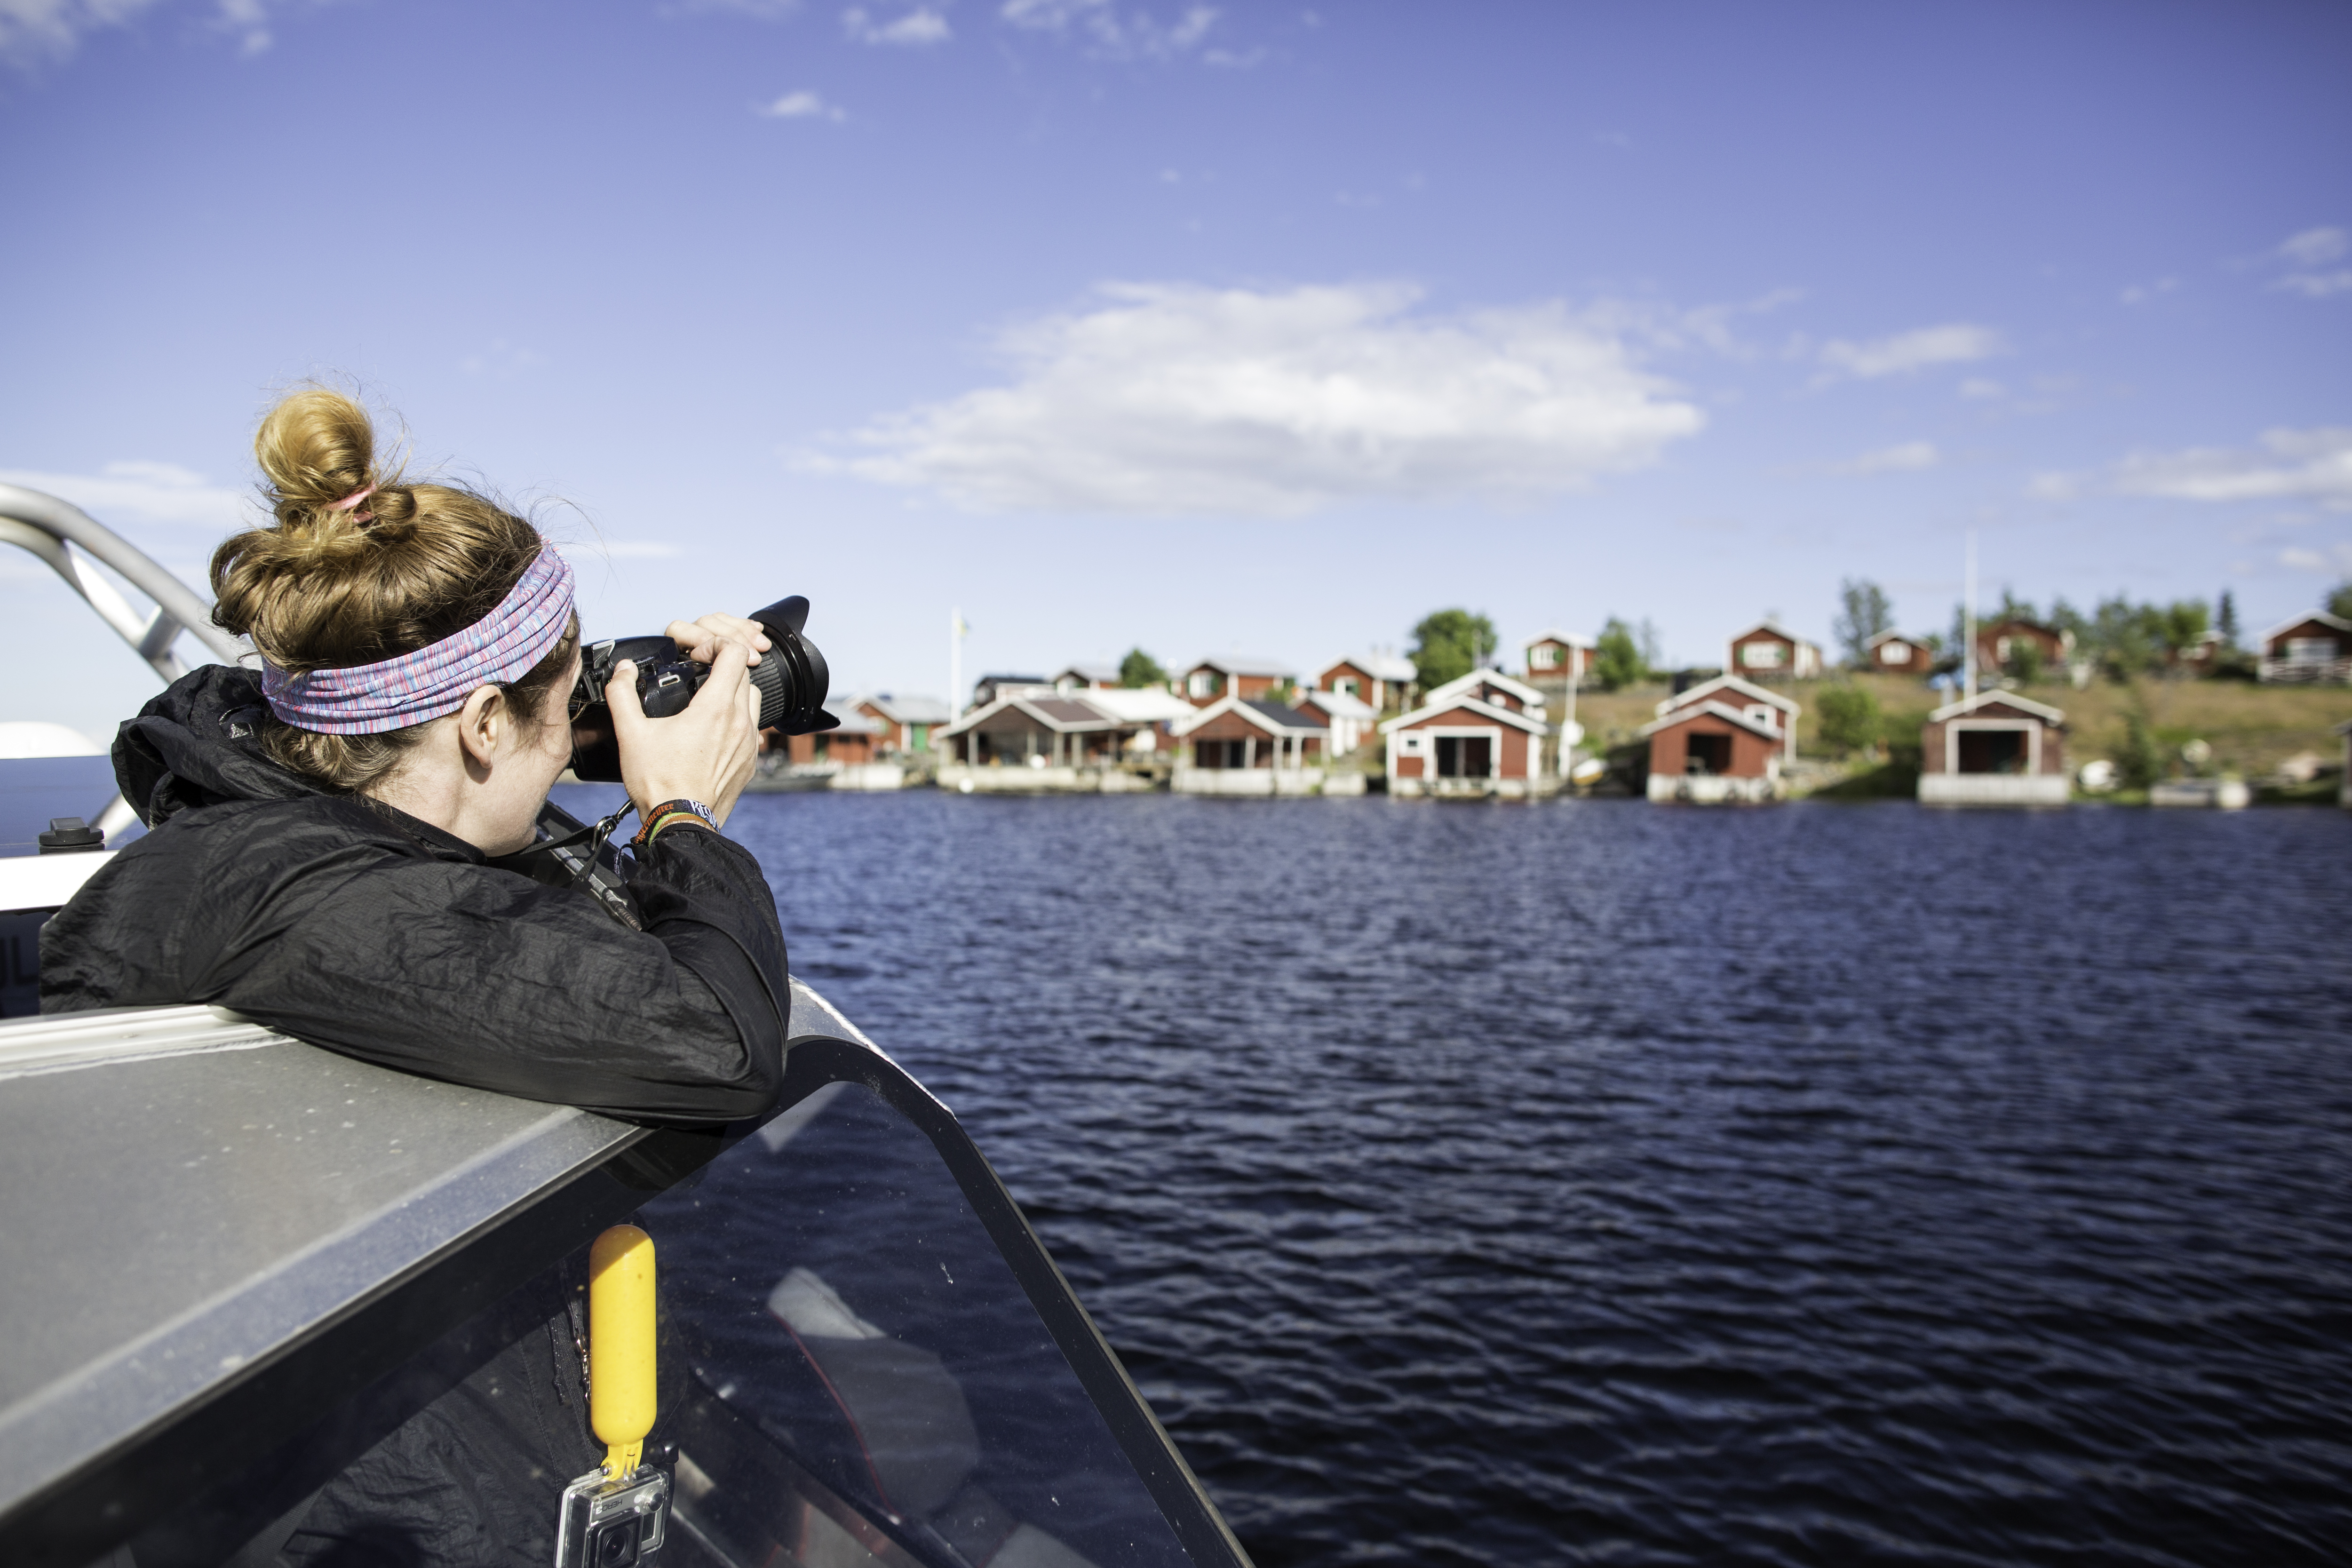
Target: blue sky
[[1244, 328]]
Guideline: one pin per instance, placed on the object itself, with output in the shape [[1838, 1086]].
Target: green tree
[[1617, 659], [2225, 618], [1140, 670], [2126, 638], [1449, 644], [2184, 621], [2025, 659], [2339, 603], [1864, 612], [1850, 720]]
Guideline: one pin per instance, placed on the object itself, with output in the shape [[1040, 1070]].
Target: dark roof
[[1288, 717], [1066, 711], [1013, 680]]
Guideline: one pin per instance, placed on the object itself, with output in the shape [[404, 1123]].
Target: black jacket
[[358, 928]]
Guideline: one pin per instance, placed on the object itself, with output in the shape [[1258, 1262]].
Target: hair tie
[[353, 499]]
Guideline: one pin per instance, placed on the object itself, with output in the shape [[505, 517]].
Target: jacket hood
[[200, 744]]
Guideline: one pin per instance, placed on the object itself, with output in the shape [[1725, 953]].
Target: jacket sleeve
[[480, 976]]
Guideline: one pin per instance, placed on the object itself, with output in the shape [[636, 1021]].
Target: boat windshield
[[845, 1321], [851, 1372]]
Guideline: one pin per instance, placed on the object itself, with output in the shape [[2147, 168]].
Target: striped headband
[[395, 693]]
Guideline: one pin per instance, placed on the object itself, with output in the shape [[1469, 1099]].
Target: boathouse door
[[1707, 754], [1221, 754], [1464, 756], [1992, 751]]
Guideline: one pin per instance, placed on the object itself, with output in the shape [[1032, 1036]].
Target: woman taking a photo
[[324, 832]]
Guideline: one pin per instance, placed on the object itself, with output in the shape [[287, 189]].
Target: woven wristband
[[669, 814]]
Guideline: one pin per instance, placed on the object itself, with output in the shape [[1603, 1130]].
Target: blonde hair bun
[[316, 448], [323, 588]]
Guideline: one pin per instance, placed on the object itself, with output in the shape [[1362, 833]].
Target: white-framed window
[[1763, 655], [1201, 683], [1893, 652], [1546, 655], [1348, 685], [1412, 743], [1761, 714]]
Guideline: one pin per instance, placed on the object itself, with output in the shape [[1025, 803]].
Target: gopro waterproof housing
[[613, 1523]]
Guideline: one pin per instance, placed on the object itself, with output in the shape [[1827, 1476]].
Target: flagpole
[[1969, 687], [955, 663]]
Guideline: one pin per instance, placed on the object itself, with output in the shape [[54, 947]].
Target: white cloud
[[249, 21], [1137, 35], [917, 27], [2336, 560], [138, 492], [2316, 285], [1908, 456], [1713, 328], [1167, 400], [1978, 387], [802, 105], [2306, 253], [1954, 343], [35, 30], [2304, 465], [2315, 247], [2141, 293]]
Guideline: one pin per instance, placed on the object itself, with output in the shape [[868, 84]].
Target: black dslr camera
[[790, 677]]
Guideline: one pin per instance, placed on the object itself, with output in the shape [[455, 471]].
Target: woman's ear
[[482, 726]]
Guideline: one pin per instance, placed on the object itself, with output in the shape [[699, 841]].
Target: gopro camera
[[610, 1523]]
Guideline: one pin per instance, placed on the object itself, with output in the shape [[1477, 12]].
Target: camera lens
[[613, 1543]]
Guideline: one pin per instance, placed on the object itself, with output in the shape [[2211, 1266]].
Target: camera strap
[[577, 854], [596, 835]]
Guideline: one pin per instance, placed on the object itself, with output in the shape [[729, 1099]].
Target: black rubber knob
[[67, 834]]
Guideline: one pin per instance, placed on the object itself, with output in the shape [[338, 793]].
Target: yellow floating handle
[[621, 1344]]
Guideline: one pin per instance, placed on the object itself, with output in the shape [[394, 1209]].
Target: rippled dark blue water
[[1597, 1181]]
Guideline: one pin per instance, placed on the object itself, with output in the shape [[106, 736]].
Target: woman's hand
[[700, 639], [708, 751]]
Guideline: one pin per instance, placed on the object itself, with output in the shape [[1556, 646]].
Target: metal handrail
[[60, 534], [46, 526]]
